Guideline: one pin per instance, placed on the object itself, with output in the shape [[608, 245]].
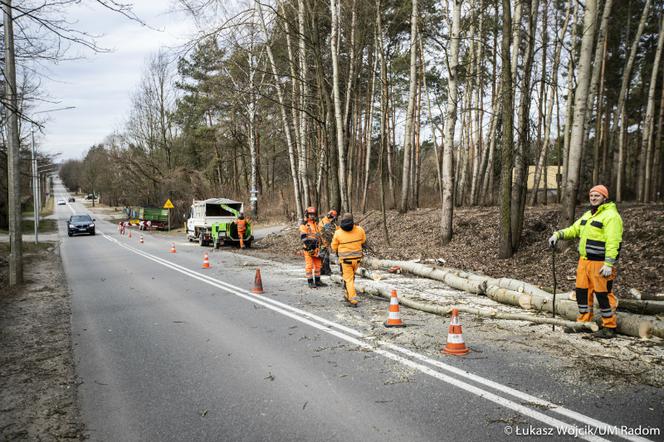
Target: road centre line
[[330, 326]]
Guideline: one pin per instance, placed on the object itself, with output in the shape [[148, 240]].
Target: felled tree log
[[449, 277], [446, 310], [522, 294]]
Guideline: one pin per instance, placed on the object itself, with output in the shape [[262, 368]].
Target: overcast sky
[[100, 86]]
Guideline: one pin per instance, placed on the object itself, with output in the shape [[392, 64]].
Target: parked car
[[80, 224], [91, 196], [71, 199], [61, 202]]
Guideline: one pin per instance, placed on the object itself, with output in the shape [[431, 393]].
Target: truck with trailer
[[211, 222], [157, 216]]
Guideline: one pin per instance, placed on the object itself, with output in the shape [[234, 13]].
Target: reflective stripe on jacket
[[348, 245], [600, 234]]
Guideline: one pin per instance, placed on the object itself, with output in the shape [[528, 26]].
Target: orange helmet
[[311, 211], [332, 213]]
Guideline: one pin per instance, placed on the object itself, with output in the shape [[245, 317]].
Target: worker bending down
[[311, 241], [347, 243], [600, 231]]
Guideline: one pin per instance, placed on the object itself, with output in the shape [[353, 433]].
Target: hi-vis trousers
[[312, 264], [590, 283], [348, 268]]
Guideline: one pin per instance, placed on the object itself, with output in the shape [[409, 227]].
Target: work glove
[[553, 239], [606, 271]]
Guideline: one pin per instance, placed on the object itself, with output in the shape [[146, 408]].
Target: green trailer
[[226, 233]]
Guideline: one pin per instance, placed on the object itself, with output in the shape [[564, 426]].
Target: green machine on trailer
[[225, 232]]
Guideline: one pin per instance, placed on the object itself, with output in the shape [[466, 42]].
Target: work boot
[[605, 333], [312, 284], [576, 330], [352, 302], [318, 282]]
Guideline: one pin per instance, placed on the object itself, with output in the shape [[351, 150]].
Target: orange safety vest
[[311, 231], [348, 244], [241, 225]]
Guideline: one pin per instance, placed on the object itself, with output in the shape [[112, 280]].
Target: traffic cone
[[455, 344], [393, 318], [141, 240], [206, 262], [258, 283], [173, 248]]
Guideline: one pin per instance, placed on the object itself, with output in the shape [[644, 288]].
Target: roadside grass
[[28, 247], [28, 226]]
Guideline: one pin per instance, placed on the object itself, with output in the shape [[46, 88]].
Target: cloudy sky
[[100, 85]]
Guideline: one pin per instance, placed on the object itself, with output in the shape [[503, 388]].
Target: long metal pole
[[13, 143], [35, 186]]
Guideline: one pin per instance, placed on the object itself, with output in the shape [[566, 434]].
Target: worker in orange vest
[[327, 225], [241, 224], [310, 235], [347, 243]]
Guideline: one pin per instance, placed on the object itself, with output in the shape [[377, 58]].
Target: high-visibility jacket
[[241, 225], [310, 236], [600, 234], [348, 244]]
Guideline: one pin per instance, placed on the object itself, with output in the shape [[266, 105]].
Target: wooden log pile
[[522, 294]]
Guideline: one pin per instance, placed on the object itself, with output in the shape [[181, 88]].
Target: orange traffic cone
[[141, 240], [130, 234], [258, 283], [455, 344], [173, 248], [206, 262], [393, 318]]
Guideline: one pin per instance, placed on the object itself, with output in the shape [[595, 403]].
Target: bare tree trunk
[[434, 137], [580, 102], [284, 117], [620, 113], [304, 93], [13, 153], [506, 139], [384, 136], [598, 67], [408, 137], [570, 91], [649, 124], [659, 147], [520, 180], [447, 214], [369, 125], [343, 189]]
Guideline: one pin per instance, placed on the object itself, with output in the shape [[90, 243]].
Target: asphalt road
[[166, 350]]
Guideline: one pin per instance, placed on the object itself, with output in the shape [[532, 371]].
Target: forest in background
[[382, 104]]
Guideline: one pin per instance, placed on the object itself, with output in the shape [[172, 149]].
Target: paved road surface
[[168, 351]]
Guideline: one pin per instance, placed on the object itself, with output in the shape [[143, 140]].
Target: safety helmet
[[332, 213], [311, 211]]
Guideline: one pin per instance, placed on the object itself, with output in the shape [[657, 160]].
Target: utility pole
[[13, 148], [36, 193]]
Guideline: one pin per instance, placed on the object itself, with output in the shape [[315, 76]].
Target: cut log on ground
[[446, 310], [522, 294]]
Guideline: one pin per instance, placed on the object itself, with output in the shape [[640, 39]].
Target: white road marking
[[356, 337]]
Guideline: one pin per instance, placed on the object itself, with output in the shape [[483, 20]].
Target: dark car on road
[[71, 199], [80, 224]]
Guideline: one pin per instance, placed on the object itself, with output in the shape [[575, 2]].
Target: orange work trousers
[[312, 264], [590, 283], [241, 233], [348, 268]]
